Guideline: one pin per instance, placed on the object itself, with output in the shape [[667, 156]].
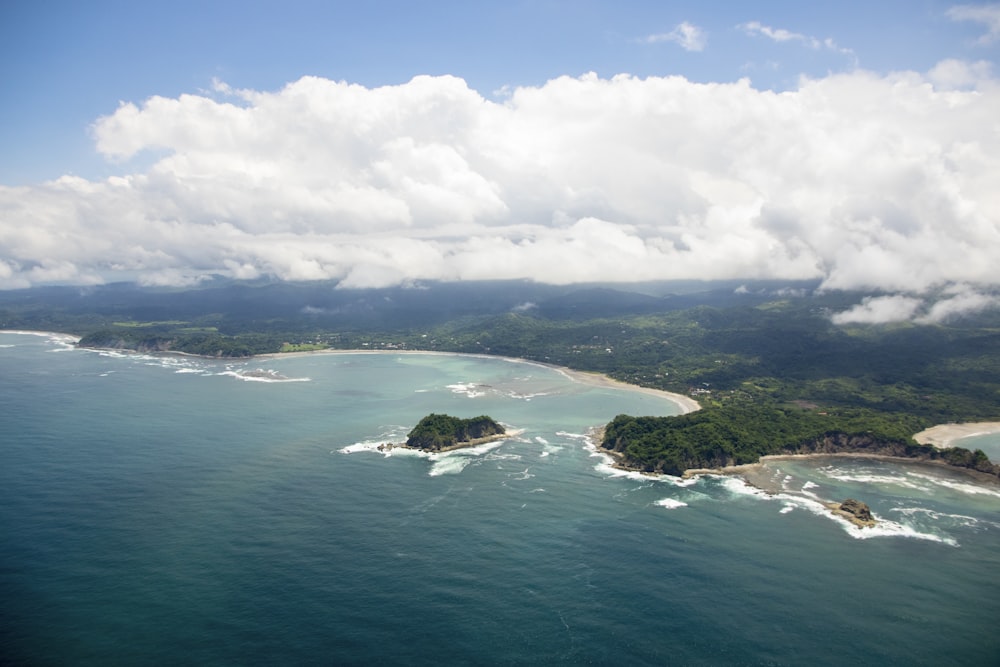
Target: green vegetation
[[716, 438], [167, 323], [438, 432], [302, 347], [767, 364]]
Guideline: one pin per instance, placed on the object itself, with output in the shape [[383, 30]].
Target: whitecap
[[962, 487], [882, 528], [470, 389], [670, 503], [961, 520], [454, 462], [861, 477], [260, 375]]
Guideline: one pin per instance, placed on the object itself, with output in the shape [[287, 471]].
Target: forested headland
[[766, 361]]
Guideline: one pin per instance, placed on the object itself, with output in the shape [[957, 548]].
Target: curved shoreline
[[941, 435], [945, 435], [755, 474], [590, 378]]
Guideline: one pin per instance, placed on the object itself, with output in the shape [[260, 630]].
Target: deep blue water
[[164, 510]]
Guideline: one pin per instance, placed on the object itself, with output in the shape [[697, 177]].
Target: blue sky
[[64, 64], [380, 143]]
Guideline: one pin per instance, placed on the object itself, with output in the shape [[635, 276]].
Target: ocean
[[179, 510]]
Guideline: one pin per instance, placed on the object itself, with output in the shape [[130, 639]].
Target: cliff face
[[845, 443]]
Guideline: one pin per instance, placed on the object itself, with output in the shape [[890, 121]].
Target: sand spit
[[945, 435]]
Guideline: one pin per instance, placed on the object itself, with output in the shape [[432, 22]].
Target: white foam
[[737, 486], [883, 527], [670, 503], [873, 478], [260, 375], [959, 519], [575, 436], [470, 389], [454, 462], [962, 487]]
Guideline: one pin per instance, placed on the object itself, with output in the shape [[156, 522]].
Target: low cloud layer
[[867, 182]]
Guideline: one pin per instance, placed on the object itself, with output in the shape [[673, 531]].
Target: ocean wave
[[866, 477], [261, 375], [961, 487], [670, 503], [883, 528], [924, 513], [469, 389], [454, 462]]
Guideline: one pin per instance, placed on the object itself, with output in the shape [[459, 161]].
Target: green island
[[441, 433], [773, 371]]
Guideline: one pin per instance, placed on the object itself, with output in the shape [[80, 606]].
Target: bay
[[165, 509]]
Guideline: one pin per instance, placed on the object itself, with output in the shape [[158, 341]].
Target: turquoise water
[[161, 510]]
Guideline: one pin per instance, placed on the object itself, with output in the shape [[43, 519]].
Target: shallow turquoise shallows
[[176, 510]]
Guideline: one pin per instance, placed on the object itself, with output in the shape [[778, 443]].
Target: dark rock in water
[[854, 511], [857, 508]]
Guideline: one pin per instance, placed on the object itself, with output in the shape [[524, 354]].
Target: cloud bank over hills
[[870, 182]]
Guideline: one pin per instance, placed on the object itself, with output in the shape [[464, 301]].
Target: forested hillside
[[764, 361]]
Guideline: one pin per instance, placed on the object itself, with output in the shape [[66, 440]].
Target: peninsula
[[714, 441]]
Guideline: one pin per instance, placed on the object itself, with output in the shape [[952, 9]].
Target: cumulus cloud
[[880, 310], [988, 15], [952, 303], [688, 36], [961, 302], [863, 181]]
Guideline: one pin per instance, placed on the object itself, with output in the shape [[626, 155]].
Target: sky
[[389, 142]]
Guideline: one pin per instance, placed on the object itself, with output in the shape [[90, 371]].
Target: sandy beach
[[686, 403], [945, 435]]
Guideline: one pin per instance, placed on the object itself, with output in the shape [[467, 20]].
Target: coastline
[[756, 474], [593, 379], [940, 436], [945, 435]]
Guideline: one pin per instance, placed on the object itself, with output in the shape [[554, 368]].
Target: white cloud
[[956, 74], [954, 302], [880, 310], [863, 181], [964, 301], [688, 36], [777, 34], [988, 15], [756, 28]]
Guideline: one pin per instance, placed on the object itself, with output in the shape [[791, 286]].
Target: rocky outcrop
[[854, 511], [437, 432]]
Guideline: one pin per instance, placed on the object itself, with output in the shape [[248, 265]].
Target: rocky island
[[441, 433], [854, 511]]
